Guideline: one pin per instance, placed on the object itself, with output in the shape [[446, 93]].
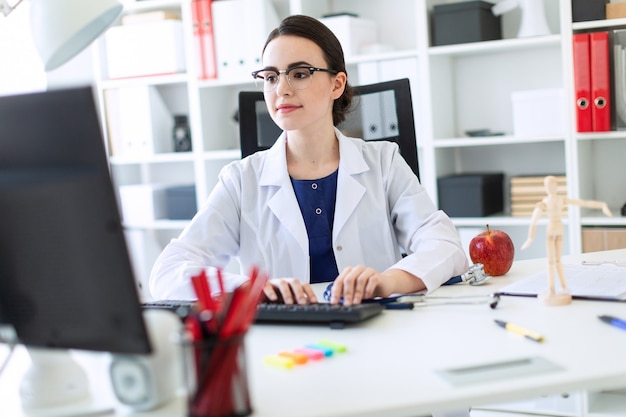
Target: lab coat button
[[339, 248]]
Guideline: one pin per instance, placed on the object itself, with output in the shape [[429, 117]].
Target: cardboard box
[[539, 113], [354, 33], [616, 10], [471, 195], [463, 22], [181, 202], [141, 49], [603, 238]]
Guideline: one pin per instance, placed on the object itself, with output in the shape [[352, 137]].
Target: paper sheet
[[584, 281]]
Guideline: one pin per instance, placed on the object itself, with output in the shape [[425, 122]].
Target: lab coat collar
[[275, 173], [284, 204]]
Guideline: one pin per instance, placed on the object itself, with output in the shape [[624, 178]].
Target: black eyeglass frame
[[255, 74]]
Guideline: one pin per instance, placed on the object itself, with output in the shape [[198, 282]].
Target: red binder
[[600, 81], [204, 39], [582, 82]]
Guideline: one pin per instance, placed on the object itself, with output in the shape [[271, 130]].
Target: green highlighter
[[336, 347]]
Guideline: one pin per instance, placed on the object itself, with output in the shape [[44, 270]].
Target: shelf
[[158, 225], [490, 141], [152, 159], [382, 56], [145, 81], [599, 24], [497, 46], [616, 220], [498, 220], [601, 135], [224, 155]]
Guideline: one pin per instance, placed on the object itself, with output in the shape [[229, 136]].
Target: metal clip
[[474, 276]]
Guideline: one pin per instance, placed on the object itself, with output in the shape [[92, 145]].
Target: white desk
[[392, 364]]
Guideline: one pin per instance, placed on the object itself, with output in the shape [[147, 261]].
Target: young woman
[[318, 206]]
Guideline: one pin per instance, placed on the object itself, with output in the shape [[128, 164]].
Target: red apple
[[494, 249]]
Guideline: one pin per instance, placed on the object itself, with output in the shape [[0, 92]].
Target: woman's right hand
[[288, 291]]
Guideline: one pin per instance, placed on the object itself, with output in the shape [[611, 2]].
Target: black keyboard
[[335, 315], [180, 307]]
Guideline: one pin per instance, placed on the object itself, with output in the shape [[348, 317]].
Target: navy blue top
[[317, 204]]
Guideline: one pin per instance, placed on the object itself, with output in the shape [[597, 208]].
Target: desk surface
[[394, 363]]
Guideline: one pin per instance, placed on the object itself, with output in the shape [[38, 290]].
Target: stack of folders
[[527, 191], [619, 77], [592, 82]]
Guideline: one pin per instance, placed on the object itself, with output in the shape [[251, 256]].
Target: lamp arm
[[6, 8]]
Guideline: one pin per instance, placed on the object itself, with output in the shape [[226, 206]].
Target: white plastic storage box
[[539, 113], [141, 203], [149, 48], [354, 33]]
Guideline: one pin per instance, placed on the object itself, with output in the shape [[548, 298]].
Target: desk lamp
[[63, 28]]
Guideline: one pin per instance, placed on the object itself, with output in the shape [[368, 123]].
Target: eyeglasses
[[298, 77]]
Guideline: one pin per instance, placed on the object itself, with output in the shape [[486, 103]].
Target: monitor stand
[[55, 385]]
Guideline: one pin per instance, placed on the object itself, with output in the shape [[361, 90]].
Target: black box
[[180, 202], [471, 195], [584, 10], [470, 21]]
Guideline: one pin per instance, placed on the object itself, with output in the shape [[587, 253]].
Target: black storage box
[[180, 202], [584, 10], [470, 21], [471, 195]]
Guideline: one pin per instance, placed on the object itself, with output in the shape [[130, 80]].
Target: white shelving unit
[[455, 88]]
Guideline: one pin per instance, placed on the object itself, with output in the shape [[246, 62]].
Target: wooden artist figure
[[552, 205]]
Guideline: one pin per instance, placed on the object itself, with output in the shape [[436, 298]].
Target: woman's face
[[309, 108]]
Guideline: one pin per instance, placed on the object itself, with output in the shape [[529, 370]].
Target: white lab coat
[[253, 214]]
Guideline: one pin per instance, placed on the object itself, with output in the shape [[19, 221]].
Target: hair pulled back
[[314, 30]]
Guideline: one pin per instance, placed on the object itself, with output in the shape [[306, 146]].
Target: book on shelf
[[528, 190], [526, 210], [536, 180]]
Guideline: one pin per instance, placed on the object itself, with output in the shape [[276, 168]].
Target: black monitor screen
[[65, 275]]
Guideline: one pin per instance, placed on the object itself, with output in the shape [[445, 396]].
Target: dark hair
[[314, 30]]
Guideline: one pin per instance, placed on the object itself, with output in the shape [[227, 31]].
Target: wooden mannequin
[[553, 205]]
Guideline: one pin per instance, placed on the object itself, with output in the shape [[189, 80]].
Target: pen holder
[[217, 378]]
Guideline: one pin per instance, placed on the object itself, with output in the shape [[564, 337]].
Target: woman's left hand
[[356, 283]]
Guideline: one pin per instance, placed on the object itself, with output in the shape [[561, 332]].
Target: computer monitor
[[66, 279]]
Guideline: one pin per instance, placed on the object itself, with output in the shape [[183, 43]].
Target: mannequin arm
[[537, 212], [592, 204]]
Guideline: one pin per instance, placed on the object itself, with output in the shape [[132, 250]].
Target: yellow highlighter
[[279, 361]]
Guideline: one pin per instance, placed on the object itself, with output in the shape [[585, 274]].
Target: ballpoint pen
[[613, 321], [520, 330]]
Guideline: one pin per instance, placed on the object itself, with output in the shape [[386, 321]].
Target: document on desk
[[593, 282]]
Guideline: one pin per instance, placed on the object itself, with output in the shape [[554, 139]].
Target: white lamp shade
[[63, 28]]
